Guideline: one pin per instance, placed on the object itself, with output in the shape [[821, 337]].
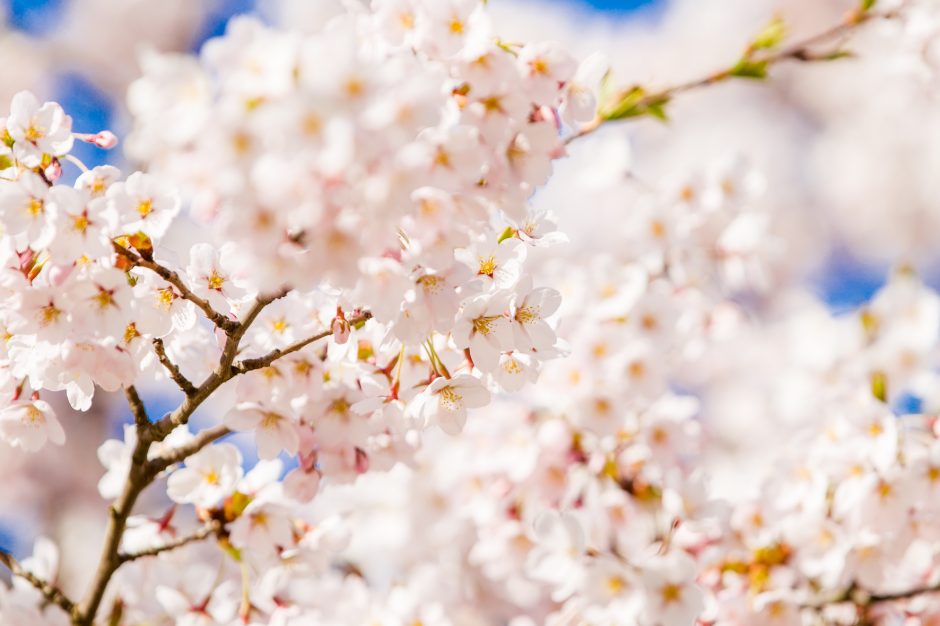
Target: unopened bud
[[340, 327], [341, 331], [53, 171], [104, 139], [362, 461]]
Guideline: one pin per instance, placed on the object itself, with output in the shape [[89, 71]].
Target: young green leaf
[[771, 36], [635, 102], [749, 68]]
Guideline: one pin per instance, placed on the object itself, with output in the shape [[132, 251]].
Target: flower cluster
[[331, 259], [407, 179], [378, 201]]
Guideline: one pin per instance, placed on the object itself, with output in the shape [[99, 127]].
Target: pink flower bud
[[308, 462], [341, 330], [104, 139], [26, 258], [362, 461], [54, 171]]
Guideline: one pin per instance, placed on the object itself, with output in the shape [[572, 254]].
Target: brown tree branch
[[803, 51], [137, 407], [138, 478], [248, 365], [226, 324], [172, 369], [142, 472], [49, 591], [180, 454], [203, 533]]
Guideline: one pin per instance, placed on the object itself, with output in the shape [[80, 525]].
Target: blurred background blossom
[[854, 179]]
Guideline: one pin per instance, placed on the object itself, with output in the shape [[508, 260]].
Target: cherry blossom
[[29, 425], [366, 383]]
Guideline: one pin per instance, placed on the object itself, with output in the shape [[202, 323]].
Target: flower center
[[216, 281], [270, 419], [484, 325], [34, 133], [131, 333], [671, 593], [527, 315], [430, 283], [49, 314], [487, 266], [165, 298], [33, 416], [35, 206], [80, 223], [450, 398], [104, 298], [145, 207]]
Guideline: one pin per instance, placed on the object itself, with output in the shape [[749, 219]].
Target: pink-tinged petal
[[501, 333], [451, 421], [182, 485], [475, 396], [521, 339], [485, 355], [545, 300], [301, 486], [54, 429], [269, 443], [541, 334], [243, 420], [23, 106]]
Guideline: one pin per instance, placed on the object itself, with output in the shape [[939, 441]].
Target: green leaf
[[867, 5], [359, 324], [835, 55], [230, 550], [5, 162], [749, 68], [658, 111], [506, 234], [636, 102], [771, 35]]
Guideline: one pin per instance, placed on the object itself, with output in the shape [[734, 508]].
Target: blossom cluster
[[378, 201], [332, 254], [402, 178]]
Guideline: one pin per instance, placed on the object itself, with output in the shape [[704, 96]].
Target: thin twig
[[801, 51], [903, 595], [203, 533], [137, 407], [180, 454], [49, 591], [226, 324], [248, 365], [172, 369]]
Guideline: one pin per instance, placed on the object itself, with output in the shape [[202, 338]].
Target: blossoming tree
[[331, 254]]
